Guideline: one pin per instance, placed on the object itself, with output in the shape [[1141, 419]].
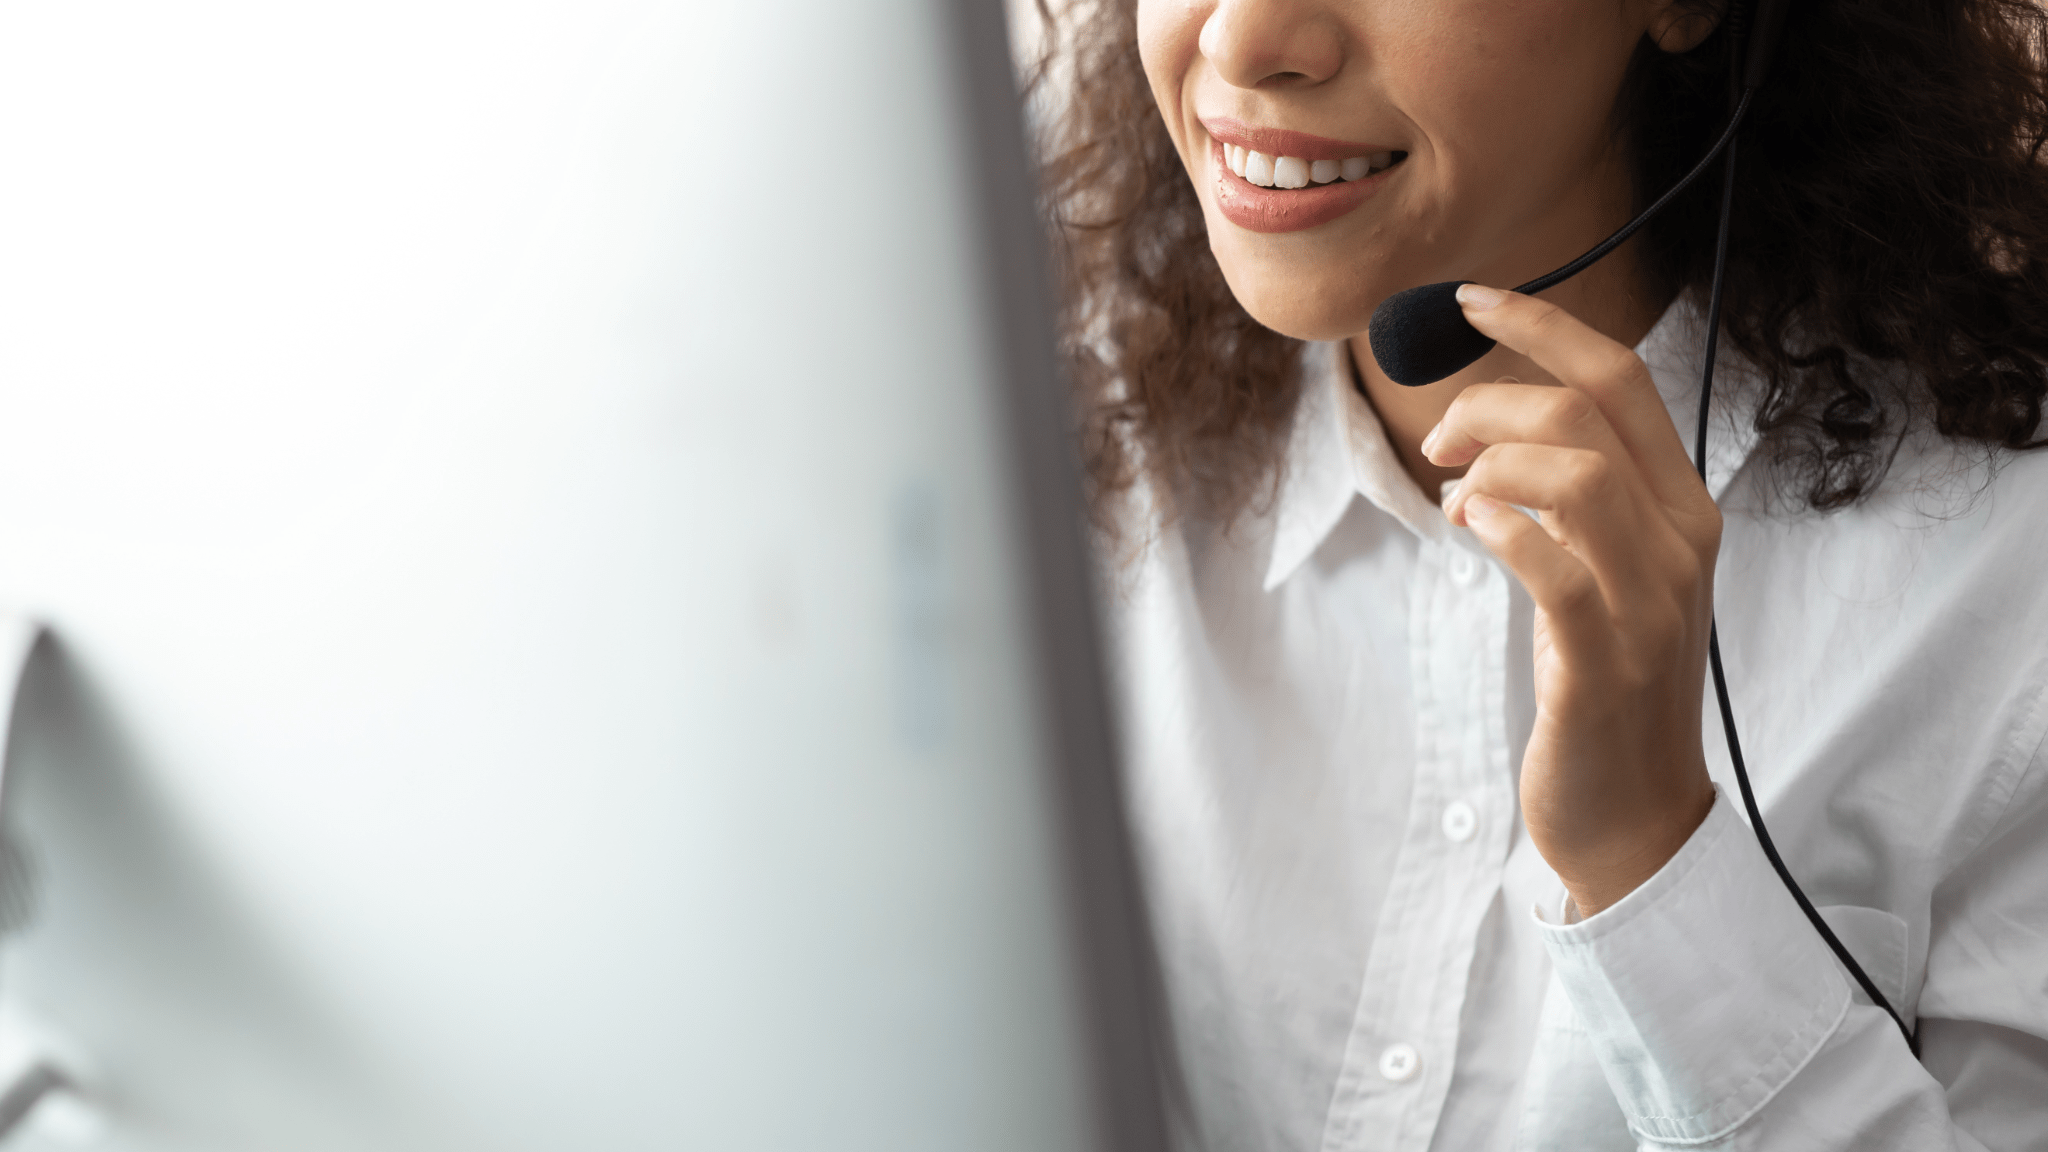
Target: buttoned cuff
[[1705, 990]]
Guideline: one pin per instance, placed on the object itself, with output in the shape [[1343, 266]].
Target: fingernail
[[1479, 298], [1480, 507], [1429, 441]]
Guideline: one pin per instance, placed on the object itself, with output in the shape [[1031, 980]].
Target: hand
[[1621, 570]]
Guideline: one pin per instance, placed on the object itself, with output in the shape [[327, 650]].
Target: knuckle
[[1708, 534], [1460, 405], [1577, 593], [1587, 473], [1624, 367], [1686, 584], [1571, 409], [1491, 459], [1698, 527], [1545, 318]]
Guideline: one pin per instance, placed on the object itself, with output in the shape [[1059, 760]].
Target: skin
[[1562, 417]]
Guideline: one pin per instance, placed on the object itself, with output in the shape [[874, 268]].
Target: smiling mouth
[[1268, 192], [1285, 172]]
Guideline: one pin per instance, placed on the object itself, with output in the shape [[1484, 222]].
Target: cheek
[[1474, 95], [1169, 43]]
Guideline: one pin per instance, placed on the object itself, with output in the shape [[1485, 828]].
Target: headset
[[1421, 336]]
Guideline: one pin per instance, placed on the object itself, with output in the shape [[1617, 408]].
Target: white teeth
[[1294, 172]]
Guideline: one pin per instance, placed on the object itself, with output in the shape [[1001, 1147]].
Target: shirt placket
[[1398, 1058]]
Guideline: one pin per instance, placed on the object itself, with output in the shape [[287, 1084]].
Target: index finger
[[1587, 361]]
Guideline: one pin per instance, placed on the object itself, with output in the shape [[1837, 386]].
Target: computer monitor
[[569, 625]]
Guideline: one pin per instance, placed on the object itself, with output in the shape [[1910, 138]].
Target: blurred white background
[[512, 487]]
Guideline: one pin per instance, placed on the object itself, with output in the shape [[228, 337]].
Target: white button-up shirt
[[1326, 707]]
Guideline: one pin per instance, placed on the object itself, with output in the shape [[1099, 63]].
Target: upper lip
[[1281, 142]]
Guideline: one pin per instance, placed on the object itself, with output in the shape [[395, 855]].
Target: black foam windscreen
[[1421, 336]]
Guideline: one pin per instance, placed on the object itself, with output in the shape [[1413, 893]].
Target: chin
[[1305, 285], [1320, 302]]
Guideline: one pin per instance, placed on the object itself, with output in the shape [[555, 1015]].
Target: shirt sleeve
[[1723, 1021]]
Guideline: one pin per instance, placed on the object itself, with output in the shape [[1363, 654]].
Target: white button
[[1399, 1062], [1464, 568], [1460, 821]]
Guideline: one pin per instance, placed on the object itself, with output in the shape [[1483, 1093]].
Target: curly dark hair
[[1892, 210]]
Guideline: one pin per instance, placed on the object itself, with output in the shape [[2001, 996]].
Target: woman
[[1440, 852]]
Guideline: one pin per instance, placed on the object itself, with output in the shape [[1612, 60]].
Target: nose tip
[[1272, 43]]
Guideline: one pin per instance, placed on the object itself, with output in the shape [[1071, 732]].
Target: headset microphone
[[1421, 336]]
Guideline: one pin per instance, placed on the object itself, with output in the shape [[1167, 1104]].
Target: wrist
[[1598, 884]]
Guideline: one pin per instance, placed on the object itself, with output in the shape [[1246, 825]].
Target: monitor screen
[[567, 624]]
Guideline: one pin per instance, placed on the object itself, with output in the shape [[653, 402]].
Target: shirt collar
[[1338, 449]]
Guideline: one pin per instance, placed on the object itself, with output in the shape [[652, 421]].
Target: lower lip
[[1257, 209]]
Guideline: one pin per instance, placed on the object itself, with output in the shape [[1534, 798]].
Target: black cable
[[1699, 454]]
